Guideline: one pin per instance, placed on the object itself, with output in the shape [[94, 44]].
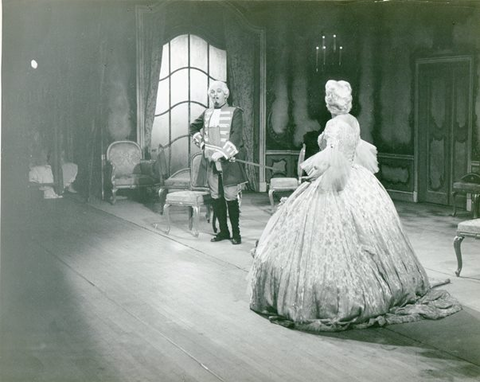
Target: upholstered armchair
[[126, 169]]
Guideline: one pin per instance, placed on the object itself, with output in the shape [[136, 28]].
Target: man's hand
[[198, 140], [216, 156]]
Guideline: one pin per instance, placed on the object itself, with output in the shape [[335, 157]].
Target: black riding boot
[[220, 209], [234, 214]]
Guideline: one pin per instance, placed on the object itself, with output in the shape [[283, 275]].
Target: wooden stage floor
[[93, 292]]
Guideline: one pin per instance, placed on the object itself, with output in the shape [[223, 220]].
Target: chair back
[[301, 159], [471, 178], [125, 156], [198, 172], [161, 164], [172, 156]]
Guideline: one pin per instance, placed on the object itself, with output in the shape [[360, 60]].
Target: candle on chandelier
[[334, 43], [340, 55], [324, 55], [316, 58]]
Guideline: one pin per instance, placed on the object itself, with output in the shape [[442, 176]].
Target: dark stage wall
[[86, 76], [381, 45]]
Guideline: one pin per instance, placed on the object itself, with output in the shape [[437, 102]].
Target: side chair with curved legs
[[286, 184]]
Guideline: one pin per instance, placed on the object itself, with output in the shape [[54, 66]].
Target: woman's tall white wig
[[338, 97]]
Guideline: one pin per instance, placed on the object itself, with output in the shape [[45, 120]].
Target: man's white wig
[[221, 84]]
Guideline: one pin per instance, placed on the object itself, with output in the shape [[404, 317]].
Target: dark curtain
[[241, 67], [152, 34]]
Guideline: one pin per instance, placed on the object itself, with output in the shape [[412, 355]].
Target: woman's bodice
[[343, 134]]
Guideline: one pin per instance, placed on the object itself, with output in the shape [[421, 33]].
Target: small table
[[468, 184], [470, 228]]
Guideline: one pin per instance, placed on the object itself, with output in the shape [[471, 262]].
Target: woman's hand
[[314, 173]]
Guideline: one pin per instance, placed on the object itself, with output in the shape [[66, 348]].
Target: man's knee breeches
[[229, 192]]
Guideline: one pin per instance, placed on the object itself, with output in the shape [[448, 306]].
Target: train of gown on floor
[[335, 255]]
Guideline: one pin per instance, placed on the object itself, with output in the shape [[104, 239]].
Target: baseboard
[[404, 196]]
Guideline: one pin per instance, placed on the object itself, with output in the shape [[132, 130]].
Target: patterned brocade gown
[[334, 255]]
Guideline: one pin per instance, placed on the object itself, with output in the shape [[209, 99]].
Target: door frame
[[436, 60]]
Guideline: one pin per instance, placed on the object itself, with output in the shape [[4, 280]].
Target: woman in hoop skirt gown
[[334, 255]]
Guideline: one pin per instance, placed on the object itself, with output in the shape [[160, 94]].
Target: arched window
[[189, 64]]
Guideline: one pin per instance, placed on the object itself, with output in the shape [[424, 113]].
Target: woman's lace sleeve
[[321, 141], [330, 162], [366, 156]]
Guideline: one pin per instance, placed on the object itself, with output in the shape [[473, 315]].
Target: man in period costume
[[218, 131]]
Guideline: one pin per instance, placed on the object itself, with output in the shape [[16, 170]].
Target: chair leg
[[114, 195], [195, 218], [454, 195], [190, 217], [456, 244], [162, 196], [208, 214], [166, 211], [272, 203], [475, 200]]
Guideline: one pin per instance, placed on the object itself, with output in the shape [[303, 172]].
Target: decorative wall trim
[[403, 196], [406, 196], [396, 156], [285, 162], [474, 166], [283, 152], [397, 174]]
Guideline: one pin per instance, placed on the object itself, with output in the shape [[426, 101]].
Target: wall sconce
[[328, 53]]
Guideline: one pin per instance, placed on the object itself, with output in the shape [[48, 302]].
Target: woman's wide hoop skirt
[[329, 261]]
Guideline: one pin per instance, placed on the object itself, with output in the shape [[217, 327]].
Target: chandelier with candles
[[328, 53]]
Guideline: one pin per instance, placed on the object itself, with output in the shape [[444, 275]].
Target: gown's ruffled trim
[[333, 167], [436, 304], [366, 156]]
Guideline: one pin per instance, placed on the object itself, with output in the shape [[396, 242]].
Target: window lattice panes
[[189, 64]]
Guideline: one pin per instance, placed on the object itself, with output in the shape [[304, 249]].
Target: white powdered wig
[[338, 97]]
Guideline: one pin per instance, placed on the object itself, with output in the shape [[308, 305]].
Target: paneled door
[[443, 125]]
